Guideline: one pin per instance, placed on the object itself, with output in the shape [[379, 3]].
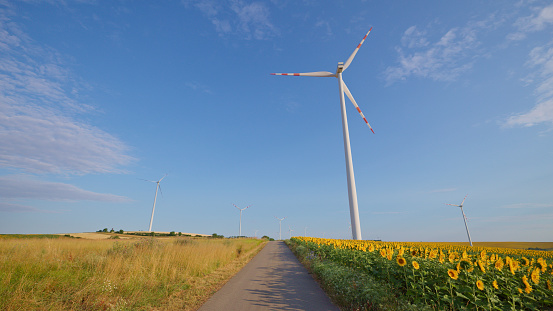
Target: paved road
[[272, 280]]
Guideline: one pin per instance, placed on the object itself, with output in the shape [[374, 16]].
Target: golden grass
[[139, 274]]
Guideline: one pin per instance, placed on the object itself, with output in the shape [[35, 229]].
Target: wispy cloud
[[18, 208], [325, 25], [237, 17], [519, 219], [39, 113], [27, 187], [441, 60], [541, 60], [387, 213], [538, 21], [443, 190], [528, 205], [198, 87]]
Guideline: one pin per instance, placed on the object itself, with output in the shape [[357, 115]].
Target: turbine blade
[[163, 177], [247, 206], [348, 93], [160, 189], [308, 74], [350, 59], [452, 205], [464, 199]]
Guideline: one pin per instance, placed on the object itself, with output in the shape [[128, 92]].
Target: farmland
[[65, 273], [371, 275]]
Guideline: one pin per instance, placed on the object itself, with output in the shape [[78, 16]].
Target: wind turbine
[[352, 192], [158, 186], [290, 232], [464, 217], [279, 227], [241, 209]]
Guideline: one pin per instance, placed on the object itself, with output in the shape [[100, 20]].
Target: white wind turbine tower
[[279, 227], [241, 209], [464, 217], [158, 186], [290, 232], [352, 192]]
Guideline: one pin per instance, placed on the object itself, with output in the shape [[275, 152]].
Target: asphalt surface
[[272, 280]]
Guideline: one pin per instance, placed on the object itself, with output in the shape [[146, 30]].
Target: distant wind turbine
[[290, 231], [464, 217], [158, 186], [241, 209], [279, 227], [352, 192]]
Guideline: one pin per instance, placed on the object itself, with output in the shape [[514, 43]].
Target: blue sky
[[97, 95]]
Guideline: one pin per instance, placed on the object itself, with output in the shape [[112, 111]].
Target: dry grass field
[[124, 274]]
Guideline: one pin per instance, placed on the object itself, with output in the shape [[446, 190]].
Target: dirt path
[[273, 280]]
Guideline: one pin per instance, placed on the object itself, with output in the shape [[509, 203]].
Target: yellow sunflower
[[483, 255], [401, 261], [481, 265], [451, 257], [499, 264], [495, 284], [454, 274], [525, 281], [535, 276], [400, 251], [548, 285], [433, 254], [528, 289], [371, 248], [415, 265], [526, 261], [480, 285], [519, 290], [383, 253]]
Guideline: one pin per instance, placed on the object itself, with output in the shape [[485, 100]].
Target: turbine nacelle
[[340, 68]]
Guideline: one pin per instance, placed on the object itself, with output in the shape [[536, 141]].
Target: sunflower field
[[441, 276]]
